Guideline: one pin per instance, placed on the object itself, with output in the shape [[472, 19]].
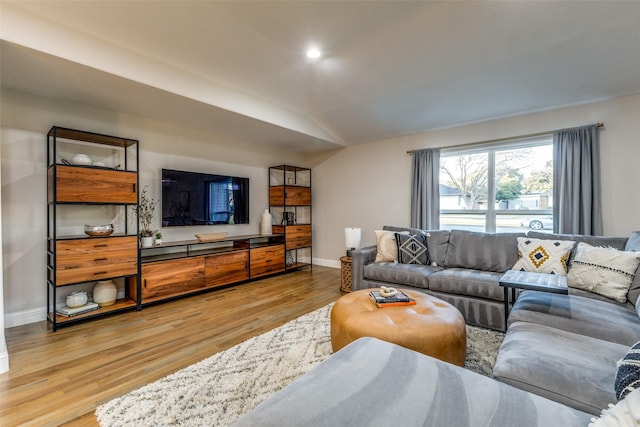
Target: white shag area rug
[[221, 388]]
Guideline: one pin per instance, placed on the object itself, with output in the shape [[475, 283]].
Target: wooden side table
[[345, 284]]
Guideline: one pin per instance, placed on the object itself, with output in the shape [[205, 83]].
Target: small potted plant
[[158, 238], [146, 208]]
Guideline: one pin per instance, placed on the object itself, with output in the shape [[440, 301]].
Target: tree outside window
[[501, 188]]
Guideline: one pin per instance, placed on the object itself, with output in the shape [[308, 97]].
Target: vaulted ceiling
[[389, 68]]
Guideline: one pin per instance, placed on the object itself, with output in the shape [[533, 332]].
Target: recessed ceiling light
[[313, 53]]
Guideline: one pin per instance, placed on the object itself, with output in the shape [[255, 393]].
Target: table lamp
[[352, 237]]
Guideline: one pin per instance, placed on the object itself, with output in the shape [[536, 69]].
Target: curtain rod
[[509, 138]]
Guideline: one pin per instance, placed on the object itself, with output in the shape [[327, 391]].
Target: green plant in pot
[[146, 208]]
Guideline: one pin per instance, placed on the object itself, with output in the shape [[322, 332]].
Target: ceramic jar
[[105, 292], [76, 299], [81, 159]]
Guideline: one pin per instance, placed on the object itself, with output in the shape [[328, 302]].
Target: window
[[501, 187], [220, 202]]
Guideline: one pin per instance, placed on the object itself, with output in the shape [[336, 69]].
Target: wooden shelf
[[82, 259], [119, 305], [78, 135]]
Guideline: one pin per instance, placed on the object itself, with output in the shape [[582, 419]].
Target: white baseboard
[[25, 317], [327, 262]]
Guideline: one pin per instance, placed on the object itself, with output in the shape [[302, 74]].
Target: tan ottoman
[[431, 326]]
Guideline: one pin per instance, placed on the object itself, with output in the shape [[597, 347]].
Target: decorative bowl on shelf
[[81, 159], [76, 299], [211, 237], [98, 230]]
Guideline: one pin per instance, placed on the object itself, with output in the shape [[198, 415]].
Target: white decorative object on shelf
[[105, 293], [81, 159], [76, 299], [146, 242], [266, 225]]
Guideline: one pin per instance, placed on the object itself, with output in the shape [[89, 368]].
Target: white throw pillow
[[543, 256], [387, 245], [604, 271], [626, 413]]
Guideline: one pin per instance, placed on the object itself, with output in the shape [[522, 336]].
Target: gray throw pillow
[[412, 249]]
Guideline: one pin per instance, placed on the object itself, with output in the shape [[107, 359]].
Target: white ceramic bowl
[[81, 159], [76, 299]]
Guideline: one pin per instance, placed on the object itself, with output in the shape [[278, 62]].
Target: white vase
[[146, 242], [105, 293], [265, 224]]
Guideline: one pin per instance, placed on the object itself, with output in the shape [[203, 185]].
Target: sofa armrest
[[360, 258]]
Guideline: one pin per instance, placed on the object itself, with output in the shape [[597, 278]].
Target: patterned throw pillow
[[628, 375], [412, 249], [543, 256], [603, 271]]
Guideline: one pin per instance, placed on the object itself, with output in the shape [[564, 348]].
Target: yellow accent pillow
[[543, 256]]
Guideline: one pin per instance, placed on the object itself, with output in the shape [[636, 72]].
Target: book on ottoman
[[400, 298]]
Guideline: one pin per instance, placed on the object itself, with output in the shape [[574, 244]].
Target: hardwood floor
[[60, 378]]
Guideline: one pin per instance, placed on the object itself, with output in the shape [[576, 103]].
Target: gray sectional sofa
[[468, 266], [556, 366]]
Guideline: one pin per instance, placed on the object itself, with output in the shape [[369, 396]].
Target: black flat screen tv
[[192, 198]]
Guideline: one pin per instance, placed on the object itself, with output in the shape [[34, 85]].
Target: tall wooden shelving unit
[[76, 194], [290, 205]]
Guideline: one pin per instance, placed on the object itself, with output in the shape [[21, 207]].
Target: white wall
[[368, 185], [25, 121]]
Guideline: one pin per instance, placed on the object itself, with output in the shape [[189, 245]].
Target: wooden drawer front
[[292, 196], [267, 260], [78, 184], [276, 195], [298, 236], [297, 196], [85, 260], [223, 269], [169, 278]]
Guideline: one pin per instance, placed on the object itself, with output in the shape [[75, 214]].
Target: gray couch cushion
[[586, 316], [374, 383], [482, 251], [476, 311], [472, 283], [571, 369], [604, 241], [400, 274]]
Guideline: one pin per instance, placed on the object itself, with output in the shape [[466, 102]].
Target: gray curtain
[[577, 205], [425, 189]]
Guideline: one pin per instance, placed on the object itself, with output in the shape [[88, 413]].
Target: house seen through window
[[498, 188]]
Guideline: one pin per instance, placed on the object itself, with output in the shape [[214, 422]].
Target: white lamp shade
[[352, 237]]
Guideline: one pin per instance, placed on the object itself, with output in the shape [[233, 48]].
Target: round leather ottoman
[[431, 326]]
